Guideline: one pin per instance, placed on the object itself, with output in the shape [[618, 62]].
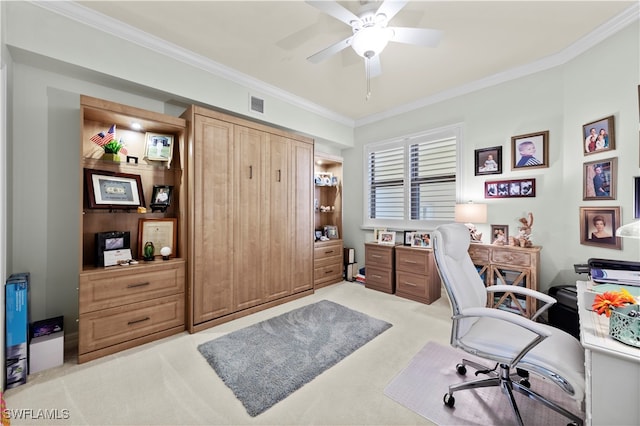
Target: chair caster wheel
[[449, 400], [525, 383], [462, 370]]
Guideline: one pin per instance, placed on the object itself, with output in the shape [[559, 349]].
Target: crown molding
[[96, 20]]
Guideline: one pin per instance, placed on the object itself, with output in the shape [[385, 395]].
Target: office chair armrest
[[521, 321], [544, 298]]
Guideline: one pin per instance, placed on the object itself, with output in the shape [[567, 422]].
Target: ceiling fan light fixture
[[371, 41]]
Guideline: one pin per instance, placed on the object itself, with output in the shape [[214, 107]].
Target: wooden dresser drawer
[[379, 255], [134, 284], [380, 279], [327, 249], [479, 254], [411, 284], [411, 260], [123, 323], [511, 257]]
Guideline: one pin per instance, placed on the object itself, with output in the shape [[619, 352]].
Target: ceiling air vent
[[256, 105]]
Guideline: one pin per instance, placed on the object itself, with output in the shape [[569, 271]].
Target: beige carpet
[[422, 384]]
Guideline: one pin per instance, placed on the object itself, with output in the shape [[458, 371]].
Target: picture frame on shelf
[[158, 147], [530, 151], [500, 234], [323, 179], [421, 240], [331, 232], [598, 227], [110, 190], [408, 235], [513, 188], [161, 197], [598, 136], [376, 233], [387, 238], [599, 179], [161, 232], [488, 161]]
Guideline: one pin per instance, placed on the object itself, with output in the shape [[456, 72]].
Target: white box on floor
[[46, 352]]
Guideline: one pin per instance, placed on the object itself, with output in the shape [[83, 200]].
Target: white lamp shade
[[630, 230], [471, 213]]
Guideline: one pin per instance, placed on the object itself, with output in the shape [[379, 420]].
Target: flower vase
[[110, 157]]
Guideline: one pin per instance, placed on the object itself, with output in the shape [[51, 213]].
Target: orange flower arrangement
[[604, 303]]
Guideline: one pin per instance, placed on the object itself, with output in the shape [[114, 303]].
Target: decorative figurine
[[147, 251], [524, 231]]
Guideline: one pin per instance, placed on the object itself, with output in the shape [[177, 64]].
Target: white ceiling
[[483, 42]]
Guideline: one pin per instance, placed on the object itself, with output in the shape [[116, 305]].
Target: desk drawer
[[378, 256], [117, 325], [479, 255], [511, 257], [380, 279], [411, 284], [411, 260], [328, 249]]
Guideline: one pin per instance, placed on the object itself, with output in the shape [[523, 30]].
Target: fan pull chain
[[368, 67]]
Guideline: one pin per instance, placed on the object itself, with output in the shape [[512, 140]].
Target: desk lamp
[[470, 213]]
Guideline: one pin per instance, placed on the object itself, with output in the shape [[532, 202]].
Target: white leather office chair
[[511, 341]]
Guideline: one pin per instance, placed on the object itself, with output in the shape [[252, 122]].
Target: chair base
[[502, 378]]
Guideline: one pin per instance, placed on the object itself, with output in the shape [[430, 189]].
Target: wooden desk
[[612, 371]]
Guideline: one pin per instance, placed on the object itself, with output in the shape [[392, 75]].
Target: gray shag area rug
[[264, 363], [422, 384]]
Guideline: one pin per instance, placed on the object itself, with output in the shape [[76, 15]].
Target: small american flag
[[101, 139]]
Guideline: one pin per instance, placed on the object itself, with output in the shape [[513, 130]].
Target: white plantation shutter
[[411, 179]]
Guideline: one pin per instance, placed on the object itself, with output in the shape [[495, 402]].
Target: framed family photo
[[500, 234], [599, 182], [510, 188], [530, 151], [598, 136], [108, 190], [387, 237], [158, 147], [598, 227], [407, 237], [421, 240], [488, 161]]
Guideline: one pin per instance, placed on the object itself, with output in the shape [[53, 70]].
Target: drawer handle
[[138, 285], [329, 272], [377, 276], [137, 321], [411, 284], [328, 252], [410, 261], [375, 255]]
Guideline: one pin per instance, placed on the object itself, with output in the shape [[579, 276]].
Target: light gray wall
[[599, 83]]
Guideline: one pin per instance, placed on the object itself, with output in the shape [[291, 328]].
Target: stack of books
[[350, 265], [360, 278]]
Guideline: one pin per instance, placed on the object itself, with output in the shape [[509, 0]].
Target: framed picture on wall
[[599, 182], [510, 188], [488, 161], [598, 136], [530, 151], [598, 226]]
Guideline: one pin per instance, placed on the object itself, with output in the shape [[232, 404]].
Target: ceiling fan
[[371, 33]]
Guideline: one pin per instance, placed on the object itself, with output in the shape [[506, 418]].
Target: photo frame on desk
[[109, 190], [161, 232]]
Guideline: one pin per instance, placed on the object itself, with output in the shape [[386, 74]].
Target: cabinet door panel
[[251, 231], [301, 221], [213, 211]]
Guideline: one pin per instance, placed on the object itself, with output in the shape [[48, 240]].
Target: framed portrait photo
[[598, 227], [331, 232], [488, 161], [500, 234], [530, 151], [598, 136], [109, 190], [421, 240], [407, 237], [158, 147], [161, 197], [387, 237], [599, 182]]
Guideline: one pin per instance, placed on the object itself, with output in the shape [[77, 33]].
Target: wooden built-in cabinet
[[379, 267], [124, 306], [508, 265], [417, 276], [328, 259], [251, 219]]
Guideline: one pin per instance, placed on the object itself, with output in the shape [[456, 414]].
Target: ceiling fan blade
[[419, 36], [375, 67], [334, 9], [391, 7], [329, 51]]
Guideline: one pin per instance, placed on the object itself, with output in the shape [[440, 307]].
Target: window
[[412, 179]]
